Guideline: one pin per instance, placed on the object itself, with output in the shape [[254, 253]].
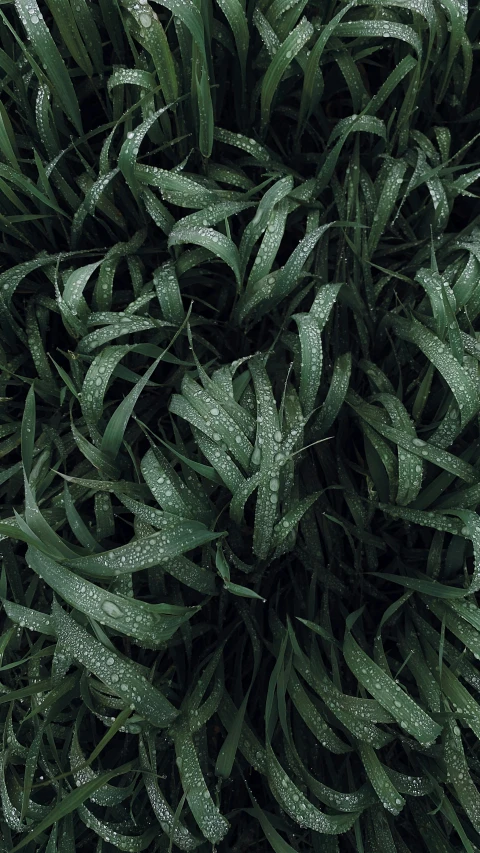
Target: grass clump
[[239, 409]]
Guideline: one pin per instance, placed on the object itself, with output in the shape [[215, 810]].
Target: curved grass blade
[[145, 552], [219, 244], [206, 814], [440, 355], [28, 432], [150, 624], [70, 803], [119, 674], [292, 45], [44, 45], [165, 815], [298, 807], [389, 694]]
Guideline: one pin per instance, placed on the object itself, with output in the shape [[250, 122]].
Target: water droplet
[[145, 20], [111, 609], [256, 456]]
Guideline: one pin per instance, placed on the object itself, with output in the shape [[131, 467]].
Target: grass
[[239, 426]]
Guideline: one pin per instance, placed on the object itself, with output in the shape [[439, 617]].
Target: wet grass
[[239, 410]]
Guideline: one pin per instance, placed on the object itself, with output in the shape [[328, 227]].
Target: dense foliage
[[239, 426]]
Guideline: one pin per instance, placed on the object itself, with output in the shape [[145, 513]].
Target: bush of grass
[[239, 409]]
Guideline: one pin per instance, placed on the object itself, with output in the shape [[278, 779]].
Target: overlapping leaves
[[239, 426]]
